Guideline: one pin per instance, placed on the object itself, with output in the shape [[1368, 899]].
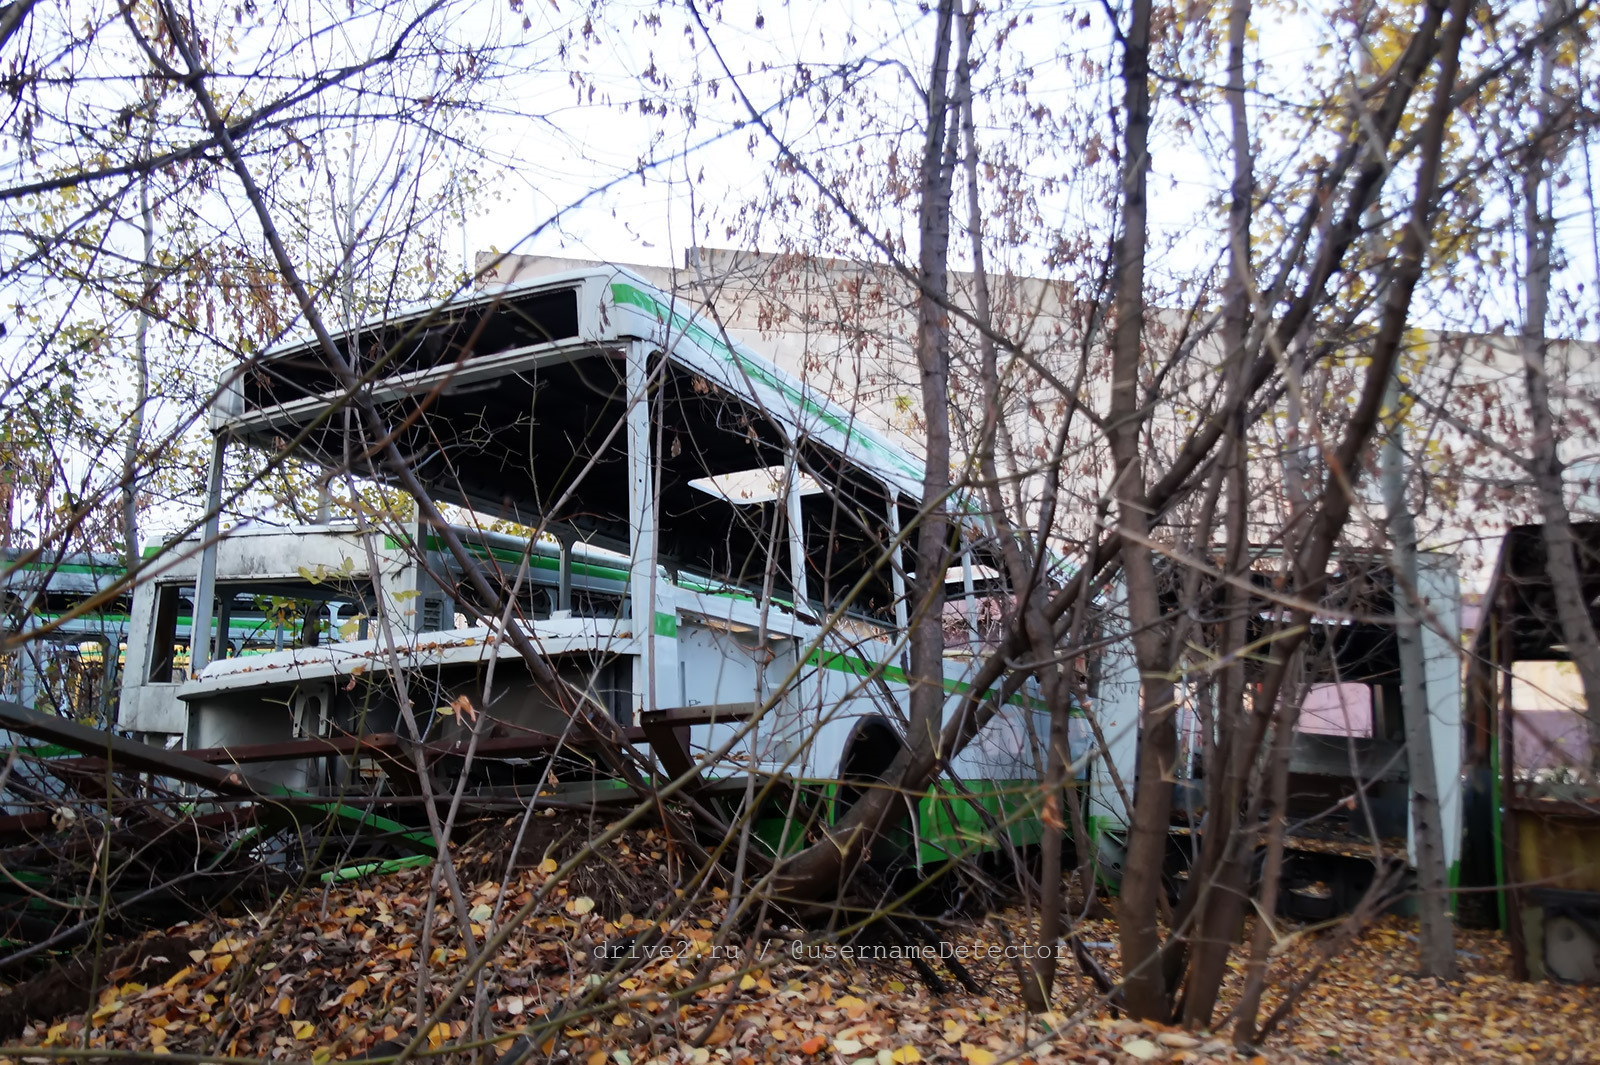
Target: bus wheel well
[[869, 752]]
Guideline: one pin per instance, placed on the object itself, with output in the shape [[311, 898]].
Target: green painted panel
[[860, 667]]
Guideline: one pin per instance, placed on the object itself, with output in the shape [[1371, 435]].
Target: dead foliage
[[69, 987], [334, 974]]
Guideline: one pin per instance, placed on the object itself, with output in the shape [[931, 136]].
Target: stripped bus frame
[[599, 410]]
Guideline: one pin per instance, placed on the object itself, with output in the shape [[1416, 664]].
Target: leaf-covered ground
[[334, 973], [1370, 1006]]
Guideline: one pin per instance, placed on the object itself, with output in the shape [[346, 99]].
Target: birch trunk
[[1438, 947]]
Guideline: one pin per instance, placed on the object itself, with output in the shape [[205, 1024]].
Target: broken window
[[164, 646]]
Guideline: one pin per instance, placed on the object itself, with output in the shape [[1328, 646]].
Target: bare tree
[[1544, 151]]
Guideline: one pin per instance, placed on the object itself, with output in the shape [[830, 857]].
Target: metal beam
[[970, 600], [667, 731], [131, 754], [564, 580], [642, 525], [205, 585], [897, 571], [797, 533], [122, 752]]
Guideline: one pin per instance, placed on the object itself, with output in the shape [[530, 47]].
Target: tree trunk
[[1438, 948], [1561, 548], [1144, 983], [816, 871], [141, 377], [1338, 488], [1277, 772], [1040, 979], [1220, 883]]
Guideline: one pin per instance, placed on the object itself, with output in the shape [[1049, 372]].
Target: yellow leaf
[[303, 1030], [581, 905], [221, 962], [157, 1036], [548, 866], [437, 1035], [853, 1007], [906, 1055], [747, 983], [976, 1054]]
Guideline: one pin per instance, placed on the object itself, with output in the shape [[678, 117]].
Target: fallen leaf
[[853, 1007], [1142, 1049], [977, 1055]]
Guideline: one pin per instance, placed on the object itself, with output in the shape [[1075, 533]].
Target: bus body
[[713, 538]]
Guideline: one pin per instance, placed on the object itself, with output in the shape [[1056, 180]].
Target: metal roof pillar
[[970, 605], [797, 532], [641, 526], [897, 569], [205, 585]]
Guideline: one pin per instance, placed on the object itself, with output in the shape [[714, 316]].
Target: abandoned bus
[[717, 566]]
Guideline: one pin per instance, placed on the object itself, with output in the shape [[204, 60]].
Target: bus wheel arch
[[868, 753]]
